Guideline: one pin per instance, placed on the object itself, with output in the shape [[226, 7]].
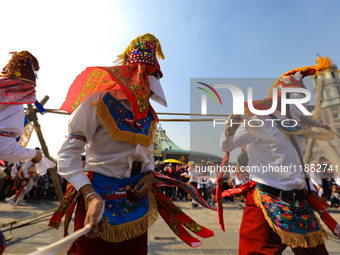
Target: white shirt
[[192, 174], [238, 177], [261, 153], [103, 155], [12, 120]]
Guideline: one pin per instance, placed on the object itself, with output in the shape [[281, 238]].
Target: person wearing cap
[[193, 180], [277, 213], [114, 123], [17, 87]]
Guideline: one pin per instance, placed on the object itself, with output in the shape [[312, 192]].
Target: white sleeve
[[12, 151], [83, 123], [150, 159], [239, 139]]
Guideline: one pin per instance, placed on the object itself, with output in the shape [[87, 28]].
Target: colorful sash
[[176, 219], [163, 180], [179, 222], [293, 220], [118, 121], [129, 216]]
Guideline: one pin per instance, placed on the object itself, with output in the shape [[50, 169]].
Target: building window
[[332, 74], [338, 89], [328, 93], [338, 130], [335, 115]]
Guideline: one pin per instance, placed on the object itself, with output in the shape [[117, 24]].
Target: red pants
[[257, 237], [85, 246]]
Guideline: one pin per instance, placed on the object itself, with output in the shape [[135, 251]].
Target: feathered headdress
[[291, 79]]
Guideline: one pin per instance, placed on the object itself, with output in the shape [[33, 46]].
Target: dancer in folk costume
[[277, 212], [17, 87], [114, 124], [27, 173]]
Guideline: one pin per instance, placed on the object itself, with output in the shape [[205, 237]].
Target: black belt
[[300, 195], [136, 168]]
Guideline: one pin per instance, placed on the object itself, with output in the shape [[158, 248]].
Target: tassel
[[118, 135], [26, 136]]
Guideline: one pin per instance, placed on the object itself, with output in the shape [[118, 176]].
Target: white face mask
[[156, 88], [295, 112]]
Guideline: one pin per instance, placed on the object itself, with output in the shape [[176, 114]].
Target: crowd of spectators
[[204, 179], [326, 181], [12, 180], [198, 175]]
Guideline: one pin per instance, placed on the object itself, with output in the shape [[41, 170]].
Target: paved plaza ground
[[161, 239]]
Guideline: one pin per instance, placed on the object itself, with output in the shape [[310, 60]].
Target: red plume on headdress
[[289, 79], [292, 79]]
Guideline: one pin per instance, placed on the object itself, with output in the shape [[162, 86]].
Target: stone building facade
[[330, 109]]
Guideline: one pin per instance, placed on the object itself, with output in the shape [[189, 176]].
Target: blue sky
[[200, 39]]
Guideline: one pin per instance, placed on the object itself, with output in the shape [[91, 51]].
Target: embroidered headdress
[[144, 50], [17, 79], [138, 71], [294, 79], [21, 66], [291, 79]]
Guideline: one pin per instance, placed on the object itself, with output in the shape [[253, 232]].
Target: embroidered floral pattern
[[118, 204], [118, 207], [98, 77], [139, 86], [124, 117], [280, 212], [286, 80]]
